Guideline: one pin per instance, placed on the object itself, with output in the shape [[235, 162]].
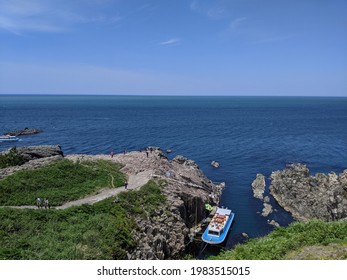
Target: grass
[[60, 182], [100, 231], [277, 244]]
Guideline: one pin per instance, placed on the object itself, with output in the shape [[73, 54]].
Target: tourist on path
[[126, 185], [46, 203], [38, 202]]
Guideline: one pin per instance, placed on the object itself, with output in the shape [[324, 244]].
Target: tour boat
[[219, 226], [4, 138]]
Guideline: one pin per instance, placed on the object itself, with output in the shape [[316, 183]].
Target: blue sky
[[180, 47]]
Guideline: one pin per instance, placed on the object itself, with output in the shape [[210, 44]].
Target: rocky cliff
[[307, 197]]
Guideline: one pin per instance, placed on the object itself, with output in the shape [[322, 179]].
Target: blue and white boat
[[219, 226], [6, 138]]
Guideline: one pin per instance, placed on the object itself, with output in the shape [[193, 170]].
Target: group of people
[[112, 153], [39, 203]]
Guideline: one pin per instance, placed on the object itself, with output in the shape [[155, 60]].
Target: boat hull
[[9, 140]]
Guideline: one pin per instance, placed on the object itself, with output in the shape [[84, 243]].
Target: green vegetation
[[282, 241], [12, 158], [60, 182], [145, 201], [100, 231]]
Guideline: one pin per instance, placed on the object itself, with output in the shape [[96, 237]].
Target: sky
[[180, 47]]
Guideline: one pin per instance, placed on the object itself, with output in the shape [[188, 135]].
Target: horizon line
[[163, 95]]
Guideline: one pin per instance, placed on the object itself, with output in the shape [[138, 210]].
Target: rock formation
[[35, 152], [187, 189], [258, 186], [35, 157], [306, 197], [25, 131]]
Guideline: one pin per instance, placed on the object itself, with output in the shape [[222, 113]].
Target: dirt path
[[135, 181], [137, 166]]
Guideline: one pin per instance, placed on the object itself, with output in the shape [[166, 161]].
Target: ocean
[[246, 135]]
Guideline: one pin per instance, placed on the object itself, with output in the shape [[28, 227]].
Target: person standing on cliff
[[112, 154], [126, 185]]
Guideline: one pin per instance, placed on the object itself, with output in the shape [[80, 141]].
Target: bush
[[103, 230], [11, 158]]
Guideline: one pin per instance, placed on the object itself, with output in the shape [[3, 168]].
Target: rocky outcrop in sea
[[25, 131], [323, 196], [258, 187]]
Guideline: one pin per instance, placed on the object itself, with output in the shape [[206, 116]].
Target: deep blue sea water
[[247, 135]]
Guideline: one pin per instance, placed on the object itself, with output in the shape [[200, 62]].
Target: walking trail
[[134, 164]]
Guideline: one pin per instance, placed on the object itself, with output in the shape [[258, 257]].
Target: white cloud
[[19, 16], [237, 22], [171, 42], [214, 10]]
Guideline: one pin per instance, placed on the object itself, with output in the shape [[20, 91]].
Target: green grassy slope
[[100, 231], [60, 182], [289, 242]]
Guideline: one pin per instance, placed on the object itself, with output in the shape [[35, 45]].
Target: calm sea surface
[[247, 135]]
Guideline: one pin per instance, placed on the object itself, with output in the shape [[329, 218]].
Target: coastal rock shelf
[[310, 197]]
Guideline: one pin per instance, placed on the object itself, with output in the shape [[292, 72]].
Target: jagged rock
[[306, 197], [266, 210], [184, 161], [25, 131], [258, 186], [273, 223], [215, 164], [35, 152]]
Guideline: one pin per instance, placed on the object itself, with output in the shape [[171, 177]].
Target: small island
[[25, 131]]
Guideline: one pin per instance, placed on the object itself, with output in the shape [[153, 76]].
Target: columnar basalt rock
[[306, 197]]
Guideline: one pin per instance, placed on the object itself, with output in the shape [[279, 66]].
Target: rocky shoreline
[[308, 197], [166, 234], [304, 196]]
